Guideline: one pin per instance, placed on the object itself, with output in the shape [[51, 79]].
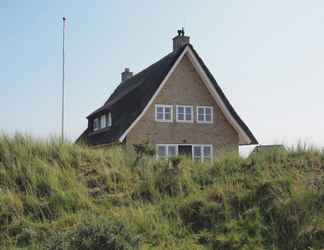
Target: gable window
[[163, 113], [202, 152], [204, 114], [165, 151], [95, 124], [184, 113]]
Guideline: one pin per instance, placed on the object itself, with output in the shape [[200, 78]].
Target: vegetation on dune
[[55, 196]]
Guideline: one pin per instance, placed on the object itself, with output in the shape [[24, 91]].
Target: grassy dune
[[67, 196]]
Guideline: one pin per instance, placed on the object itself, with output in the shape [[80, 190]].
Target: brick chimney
[[126, 74], [180, 40]]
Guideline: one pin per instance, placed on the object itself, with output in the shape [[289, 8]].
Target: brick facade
[[185, 87]]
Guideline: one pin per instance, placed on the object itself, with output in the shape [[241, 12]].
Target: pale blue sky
[[266, 55]]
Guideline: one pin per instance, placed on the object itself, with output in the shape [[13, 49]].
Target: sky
[[267, 56]]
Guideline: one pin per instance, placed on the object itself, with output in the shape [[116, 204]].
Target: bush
[[199, 214], [103, 233]]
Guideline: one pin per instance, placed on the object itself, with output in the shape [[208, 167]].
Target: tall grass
[[66, 196]]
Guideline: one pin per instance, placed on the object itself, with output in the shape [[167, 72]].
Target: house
[[174, 104]]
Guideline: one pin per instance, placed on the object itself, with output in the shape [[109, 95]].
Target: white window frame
[[163, 106], [166, 150], [184, 114], [96, 121], [201, 146], [205, 121]]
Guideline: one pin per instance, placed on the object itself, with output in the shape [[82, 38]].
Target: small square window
[[163, 113], [184, 113], [205, 114]]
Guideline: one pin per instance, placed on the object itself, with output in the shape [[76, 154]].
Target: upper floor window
[[103, 121], [204, 114], [184, 113], [109, 120], [163, 113], [95, 124]]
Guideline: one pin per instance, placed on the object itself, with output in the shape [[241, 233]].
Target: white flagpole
[[63, 80]]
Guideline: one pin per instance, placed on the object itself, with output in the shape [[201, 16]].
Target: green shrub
[[199, 214], [99, 233]]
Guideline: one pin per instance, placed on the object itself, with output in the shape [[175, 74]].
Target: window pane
[[208, 111], [208, 118], [159, 116], [200, 117], [167, 110], [171, 151], [161, 151], [103, 121], [95, 124], [188, 114], [159, 109], [109, 121], [200, 111], [180, 117], [180, 110], [167, 116], [207, 151], [197, 151]]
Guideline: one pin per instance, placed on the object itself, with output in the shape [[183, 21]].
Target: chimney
[[180, 40], [126, 74]]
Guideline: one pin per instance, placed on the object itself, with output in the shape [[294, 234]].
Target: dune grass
[[66, 196]]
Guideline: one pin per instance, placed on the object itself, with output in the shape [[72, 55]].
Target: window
[[204, 114], [184, 113], [202, 153], [103, 121], [163, 113], [109, 120], [95, 124], [165, 151]]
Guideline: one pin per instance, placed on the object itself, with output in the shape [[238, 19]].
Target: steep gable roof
[[131, 99]]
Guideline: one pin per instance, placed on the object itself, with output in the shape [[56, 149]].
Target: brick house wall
[[185, 87]]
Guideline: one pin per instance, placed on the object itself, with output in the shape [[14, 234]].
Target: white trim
[[155, 94], [184, 114], [163, 106], [201, 146], [204, 121], [243, 137]]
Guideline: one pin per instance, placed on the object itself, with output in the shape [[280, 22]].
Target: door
[[185, 150]]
